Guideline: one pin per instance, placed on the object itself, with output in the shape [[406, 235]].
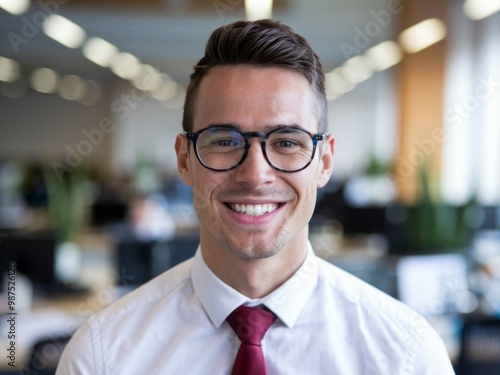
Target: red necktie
[[250, 325]]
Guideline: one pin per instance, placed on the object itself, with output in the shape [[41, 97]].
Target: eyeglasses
[[224, 147]]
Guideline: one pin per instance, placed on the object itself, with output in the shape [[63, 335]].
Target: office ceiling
[[170, 34]]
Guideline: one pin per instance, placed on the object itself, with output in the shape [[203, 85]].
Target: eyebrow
[[266, 127]]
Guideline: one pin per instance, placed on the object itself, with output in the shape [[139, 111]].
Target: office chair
[[480, 353]]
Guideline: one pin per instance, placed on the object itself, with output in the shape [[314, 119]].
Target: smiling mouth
[[253, 209]]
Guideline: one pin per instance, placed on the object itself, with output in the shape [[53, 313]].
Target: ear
[[326, 160], [183, 159]]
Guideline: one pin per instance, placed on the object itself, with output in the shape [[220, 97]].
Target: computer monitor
[[141, 261], [432, 284], [34, 256]]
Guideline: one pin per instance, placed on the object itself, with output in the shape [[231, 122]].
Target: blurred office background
[[91, 96]]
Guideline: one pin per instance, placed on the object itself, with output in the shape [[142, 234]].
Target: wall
[[45, 128]]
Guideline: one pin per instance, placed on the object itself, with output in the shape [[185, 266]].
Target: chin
[[253, 250]]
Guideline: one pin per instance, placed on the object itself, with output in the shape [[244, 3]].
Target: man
[[255, 148]]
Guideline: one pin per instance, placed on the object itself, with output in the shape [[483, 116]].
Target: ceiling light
[[72, 88], [357, 69], [44, 80], [63, 31], [422, 35], [99, 51], [177, 100], [336, 84], [165, 91], [125, 65], [258, 9], [384, 55], [479, 9], [9, 69], [148, 78], [16, 7]]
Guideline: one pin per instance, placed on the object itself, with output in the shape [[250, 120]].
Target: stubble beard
[[255, 248]]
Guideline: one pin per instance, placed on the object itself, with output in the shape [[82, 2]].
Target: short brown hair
[[265, 43]]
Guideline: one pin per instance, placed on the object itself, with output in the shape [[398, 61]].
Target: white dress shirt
[[329, 322]]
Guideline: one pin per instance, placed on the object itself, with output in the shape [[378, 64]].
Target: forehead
[[254, 98]]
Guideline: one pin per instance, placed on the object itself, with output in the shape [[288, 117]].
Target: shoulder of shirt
[[371, 300], [385, 319], [154, 291]]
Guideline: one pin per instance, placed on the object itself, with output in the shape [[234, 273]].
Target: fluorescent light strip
[[16, 7], [9, 69], [479, 9], [258, 9], [148, 78], [422, 35], [126, 65], [64, 31], [44, 80], [357, 69], [99, 51], [72, 87], [384, 55], [165, 91], [336, 84]]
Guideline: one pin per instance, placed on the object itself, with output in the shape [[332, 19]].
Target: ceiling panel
[[171, 34]]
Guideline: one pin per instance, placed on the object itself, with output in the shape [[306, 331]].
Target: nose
[[255, 170]]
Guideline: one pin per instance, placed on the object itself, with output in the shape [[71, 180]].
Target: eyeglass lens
[[288, 149]]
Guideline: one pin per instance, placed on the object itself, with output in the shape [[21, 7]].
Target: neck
[[256, 278]]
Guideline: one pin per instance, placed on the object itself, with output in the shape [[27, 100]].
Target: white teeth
[[253, 210], [250, 210]]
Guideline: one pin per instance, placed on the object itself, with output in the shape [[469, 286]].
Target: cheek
[[311, 182], [203, 190], [310, 203], [306, 190]]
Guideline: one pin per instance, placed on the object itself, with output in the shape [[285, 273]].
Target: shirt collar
[[287, 301]]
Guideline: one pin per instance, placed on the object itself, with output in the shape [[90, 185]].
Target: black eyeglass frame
[[315, 138]]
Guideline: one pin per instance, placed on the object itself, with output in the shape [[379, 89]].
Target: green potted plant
[[434, 226], [66, 204]]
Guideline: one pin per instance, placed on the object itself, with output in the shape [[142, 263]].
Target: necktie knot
[[250, 325]]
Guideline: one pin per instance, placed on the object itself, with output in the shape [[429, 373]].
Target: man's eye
[[287, 144], [224, 142]]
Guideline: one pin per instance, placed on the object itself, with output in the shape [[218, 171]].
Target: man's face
[[254, 99]]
